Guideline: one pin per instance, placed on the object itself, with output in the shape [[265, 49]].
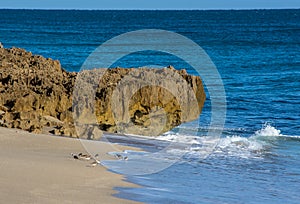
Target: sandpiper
[[81, 156], [118, 156], [95, 163], [121, 157], [84, 156], [74, 156]]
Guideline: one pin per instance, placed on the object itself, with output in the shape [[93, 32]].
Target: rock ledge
[[36, 95]]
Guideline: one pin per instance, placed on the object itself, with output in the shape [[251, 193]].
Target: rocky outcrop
[[36, 95], [34, 92], [138, 101]]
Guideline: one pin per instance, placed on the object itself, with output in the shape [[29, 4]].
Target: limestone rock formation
[[34, 92], [137, 101], [36, 95]]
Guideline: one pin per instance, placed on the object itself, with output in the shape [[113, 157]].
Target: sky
[[150, 4]]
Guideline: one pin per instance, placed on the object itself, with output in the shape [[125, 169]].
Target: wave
[[188, 147], [235, 146], [171, 148], [257, 145], [268, 132]]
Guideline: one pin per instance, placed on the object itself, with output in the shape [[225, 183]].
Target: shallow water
[[262, 168]]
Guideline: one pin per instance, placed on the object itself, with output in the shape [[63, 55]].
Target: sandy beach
[[39, 169]]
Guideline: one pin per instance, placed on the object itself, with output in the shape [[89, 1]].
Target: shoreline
[[38, 168]]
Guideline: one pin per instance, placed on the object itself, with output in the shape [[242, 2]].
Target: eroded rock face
[[138, 101], [36, 95], [35, 92]]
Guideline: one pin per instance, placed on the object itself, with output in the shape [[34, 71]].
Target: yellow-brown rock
[[36, 95]]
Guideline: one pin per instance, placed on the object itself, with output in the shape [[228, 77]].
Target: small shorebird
[[121, 157], [87, 157], [74, 156], [118, 156], [84, 156], [81, 156], [96, 161]]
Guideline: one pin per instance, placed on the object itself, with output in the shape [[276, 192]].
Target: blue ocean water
[[257, 54]]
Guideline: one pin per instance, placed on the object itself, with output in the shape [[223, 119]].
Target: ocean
[[257, 54]]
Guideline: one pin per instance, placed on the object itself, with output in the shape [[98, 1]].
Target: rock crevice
[[36, 95]]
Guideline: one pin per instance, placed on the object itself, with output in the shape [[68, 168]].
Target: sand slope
[[39, 169]]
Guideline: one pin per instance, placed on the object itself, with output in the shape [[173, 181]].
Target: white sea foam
[[255, 146], [228, 146], [268, 130], [179, 138], [235, 146], [240, 147]]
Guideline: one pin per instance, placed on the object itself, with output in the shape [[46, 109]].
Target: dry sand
[[39, 169]]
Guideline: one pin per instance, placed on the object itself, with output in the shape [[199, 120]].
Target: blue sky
[[150, 4]]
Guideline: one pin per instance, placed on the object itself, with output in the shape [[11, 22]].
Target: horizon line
[[150, 9]]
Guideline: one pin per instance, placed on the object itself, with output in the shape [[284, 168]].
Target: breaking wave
[[255, 146], [194, 148]]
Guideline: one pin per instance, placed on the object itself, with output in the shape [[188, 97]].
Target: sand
[[39, 169]]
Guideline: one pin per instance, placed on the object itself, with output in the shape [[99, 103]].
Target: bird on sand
[[74, 156], [96, 161], [84, 156], [81, 156]]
